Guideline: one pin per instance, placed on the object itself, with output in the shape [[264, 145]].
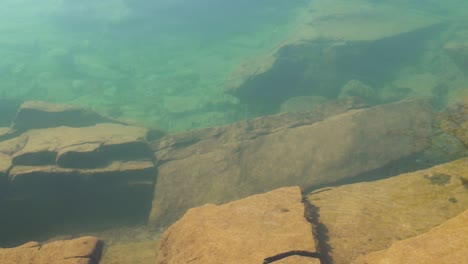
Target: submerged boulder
[[252, 230], [223, 164], [360, 218], [38, 114]]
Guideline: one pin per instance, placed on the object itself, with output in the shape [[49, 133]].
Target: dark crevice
[[301, 253], [320, 232]]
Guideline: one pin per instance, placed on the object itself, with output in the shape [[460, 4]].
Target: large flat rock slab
[[222, 165], [38, 114], [83, 250], [245, 231], [445, 244], [361, 218]]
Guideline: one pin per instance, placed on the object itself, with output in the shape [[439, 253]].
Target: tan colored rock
[[134, 253], [225, 164], [245, 231], [297, 260], [365, 217], [38, 114], [445, 244], [83, 250], [84, 147]]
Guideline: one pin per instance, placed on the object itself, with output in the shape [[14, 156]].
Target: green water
[[168, 64]]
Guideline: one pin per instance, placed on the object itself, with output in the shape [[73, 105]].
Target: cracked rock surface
[[360, 218], [444, 244], [244, 231]]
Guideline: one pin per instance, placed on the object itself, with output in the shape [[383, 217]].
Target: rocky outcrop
[[260, 229], [445, 244], [38, 114], [83, 250], [224, 164], [357, 219], [74, 171], [84, 147]]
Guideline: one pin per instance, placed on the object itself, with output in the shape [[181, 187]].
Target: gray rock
[[223, 164]]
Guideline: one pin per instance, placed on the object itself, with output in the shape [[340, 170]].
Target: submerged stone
[[37, 114], [224, 164]]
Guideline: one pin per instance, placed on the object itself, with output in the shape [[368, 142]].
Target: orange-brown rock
[[83, 147], [360, 218], [83, 250], [444, 244], [224, 164], [244, 231]]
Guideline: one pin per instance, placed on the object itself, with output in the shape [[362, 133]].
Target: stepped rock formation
[[64, 168]]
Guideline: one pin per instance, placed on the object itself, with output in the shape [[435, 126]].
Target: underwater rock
[[83, 250], [458, 51], [444, 244], [333, 42], [60, 175], [454, 120], [223, 164], [358, 89], [37, 114], [82, 147], [133, 252], [302, 103], [117, 176], [250, 230], [355, 218]]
